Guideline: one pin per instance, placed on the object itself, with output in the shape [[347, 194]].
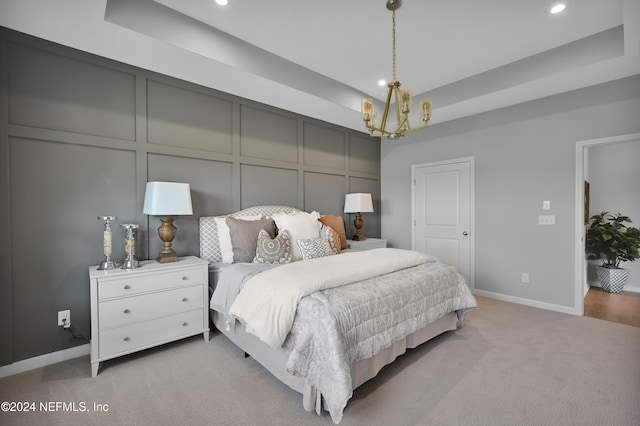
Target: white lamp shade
[[167, 199], [358, 203]]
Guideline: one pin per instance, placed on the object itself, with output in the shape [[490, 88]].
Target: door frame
[[471, 161], [581, 285]]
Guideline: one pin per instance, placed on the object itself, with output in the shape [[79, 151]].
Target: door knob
[[465, 233]]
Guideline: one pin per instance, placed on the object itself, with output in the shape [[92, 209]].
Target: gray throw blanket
[[230, 282]]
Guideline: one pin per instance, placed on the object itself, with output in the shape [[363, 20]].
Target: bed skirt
[[274, 360]]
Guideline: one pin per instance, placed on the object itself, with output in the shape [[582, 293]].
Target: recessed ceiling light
[[382, 82], [558, 8], [222, 2]]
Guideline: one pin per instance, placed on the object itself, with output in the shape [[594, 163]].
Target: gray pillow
[[244, 236], [273, 250]]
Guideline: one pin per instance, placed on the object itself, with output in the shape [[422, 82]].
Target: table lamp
[[358, 203], [167, 199]]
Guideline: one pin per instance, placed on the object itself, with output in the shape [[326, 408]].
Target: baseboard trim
[[528, 302], [629, 288], [44, 360]]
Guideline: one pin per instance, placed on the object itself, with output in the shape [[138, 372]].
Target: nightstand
[[368, 244], [148, 306]]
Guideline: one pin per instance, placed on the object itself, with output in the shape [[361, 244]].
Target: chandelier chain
[[393, 38]]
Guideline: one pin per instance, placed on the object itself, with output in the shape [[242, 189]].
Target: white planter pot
[[612, 280]]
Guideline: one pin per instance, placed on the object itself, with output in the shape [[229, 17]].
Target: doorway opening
[[582, 172]]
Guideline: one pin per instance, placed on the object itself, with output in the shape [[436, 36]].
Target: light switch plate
[[546, 205]]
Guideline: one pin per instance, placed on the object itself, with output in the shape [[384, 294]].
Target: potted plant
[[611, 241]]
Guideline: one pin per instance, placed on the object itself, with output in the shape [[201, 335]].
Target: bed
[[321, 318]]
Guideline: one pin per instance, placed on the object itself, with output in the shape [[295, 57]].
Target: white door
[[442, 212]]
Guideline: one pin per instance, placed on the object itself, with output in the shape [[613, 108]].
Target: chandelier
[[401, 98]]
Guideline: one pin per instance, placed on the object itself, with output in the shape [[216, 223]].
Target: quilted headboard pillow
[[210, 243]]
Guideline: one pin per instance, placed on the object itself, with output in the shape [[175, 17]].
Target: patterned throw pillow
[[333, 237], [337, 224], [314, 247], [273, 250]]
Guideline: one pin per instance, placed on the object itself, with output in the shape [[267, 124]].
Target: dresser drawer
[[128, 310], [149, 333], [126, 286]]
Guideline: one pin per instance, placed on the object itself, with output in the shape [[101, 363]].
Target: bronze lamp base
[[167, 233], [358, 223]]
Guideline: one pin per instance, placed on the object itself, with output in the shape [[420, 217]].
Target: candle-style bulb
[[367, 109], [406, 100], [425, 110]]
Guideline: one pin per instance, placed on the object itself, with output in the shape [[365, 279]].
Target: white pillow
[[301, 225], [224, 237]]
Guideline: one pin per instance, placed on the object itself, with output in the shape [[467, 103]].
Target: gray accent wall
[[524, 155], [81, 135]]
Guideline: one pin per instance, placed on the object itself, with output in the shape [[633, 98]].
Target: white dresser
[[367, 244], [148, 306]]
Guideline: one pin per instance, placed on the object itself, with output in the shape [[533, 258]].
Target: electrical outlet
[[64, 318], [525, 277]]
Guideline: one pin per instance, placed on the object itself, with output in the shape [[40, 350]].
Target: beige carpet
[[509, 365]]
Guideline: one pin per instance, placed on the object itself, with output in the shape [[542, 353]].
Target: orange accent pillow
[[337, 224]]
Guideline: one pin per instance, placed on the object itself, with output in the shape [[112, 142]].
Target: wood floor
[[621, 307]]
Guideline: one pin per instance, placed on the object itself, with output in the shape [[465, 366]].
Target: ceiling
[[438, 42], [320, 58]]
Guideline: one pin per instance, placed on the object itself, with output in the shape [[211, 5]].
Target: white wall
[[614, 176], [523, 155]]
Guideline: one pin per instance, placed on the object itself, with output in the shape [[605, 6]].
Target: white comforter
[[268, 301]]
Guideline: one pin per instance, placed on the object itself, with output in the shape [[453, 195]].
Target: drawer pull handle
[[184, 324], [184, 299], [126, 339], [126, 311], [185, 278], [127, 287]]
